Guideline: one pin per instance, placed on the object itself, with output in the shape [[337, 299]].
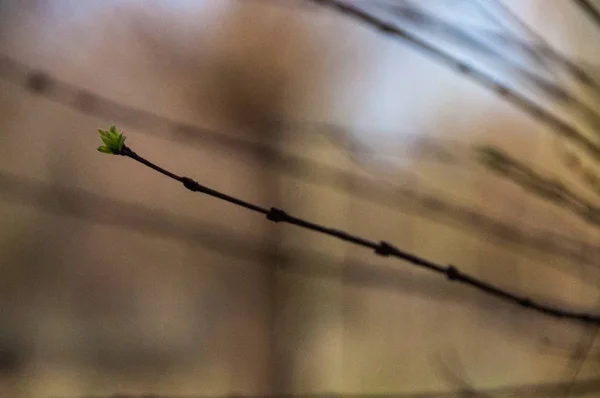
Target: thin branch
[[381, 248], [548, 189]]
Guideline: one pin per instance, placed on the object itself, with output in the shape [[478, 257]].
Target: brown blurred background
[[115, 279]]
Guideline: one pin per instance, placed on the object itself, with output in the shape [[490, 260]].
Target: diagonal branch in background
[[542, 50], [546, 56], [560, 127], [535, 45], [475, 40], [381, 248], [418, 17], [551, 190], [576, 165]]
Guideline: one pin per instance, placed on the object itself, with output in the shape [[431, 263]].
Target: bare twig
[[381, 248]]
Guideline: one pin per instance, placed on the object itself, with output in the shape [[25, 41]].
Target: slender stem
[[191, 184], [381, 248], [126, 151]]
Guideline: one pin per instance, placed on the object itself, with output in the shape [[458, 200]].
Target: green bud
[[112, 139]]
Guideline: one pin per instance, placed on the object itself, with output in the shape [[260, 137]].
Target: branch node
[[277, 215], [385, 249], [452, 273], [191, 184]]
